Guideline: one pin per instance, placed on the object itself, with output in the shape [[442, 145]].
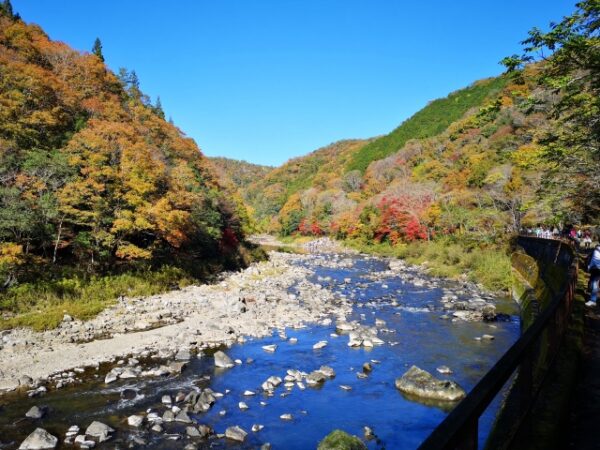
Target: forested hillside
[[92, 178], [239, 173], [469, 169]]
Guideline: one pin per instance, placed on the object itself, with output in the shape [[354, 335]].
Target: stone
[[444, 370], [327, 371], [315, 378], [168, 416], [135, 421], [205, 430], [157, 428], [275, 381], [166, 400], [420, 383], [83, 442], [235, 433], [129, 373], [110, 377], [243, 406], [249, 393], [183, 417], [345, 387], [269, 348], [223, 361], [35, 412], [368, 431], [99, 431], [256, 428], [367, 367], [319, 345], [192, 432], [488, 337], [40, 439], [286, 416], [340, 440]]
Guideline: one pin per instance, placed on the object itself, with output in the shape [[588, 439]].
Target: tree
[[570, 67], [97, 49], [6, 9], [158, 109]]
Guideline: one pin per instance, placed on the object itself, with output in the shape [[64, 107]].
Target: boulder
[[340, 440], [223, 361], [235, 433], [99, 431], [420, 383], [40, 439]]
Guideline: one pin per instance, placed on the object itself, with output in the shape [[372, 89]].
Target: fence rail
[[536, 347]]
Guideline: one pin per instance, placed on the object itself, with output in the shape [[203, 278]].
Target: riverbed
[[413, 316]]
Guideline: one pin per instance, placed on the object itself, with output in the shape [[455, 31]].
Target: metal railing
[[530, 357]]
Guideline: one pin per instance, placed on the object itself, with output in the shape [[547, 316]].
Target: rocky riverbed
[[304, 344]]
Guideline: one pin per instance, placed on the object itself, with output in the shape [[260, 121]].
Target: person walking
[[594, 270]]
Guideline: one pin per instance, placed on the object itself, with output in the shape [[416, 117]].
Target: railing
[[531, 357]]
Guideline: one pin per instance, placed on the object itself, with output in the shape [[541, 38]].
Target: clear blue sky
[[265, 81]]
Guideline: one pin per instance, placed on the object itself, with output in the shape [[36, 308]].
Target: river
[[417, 331]]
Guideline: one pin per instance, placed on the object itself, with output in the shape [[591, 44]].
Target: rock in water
[[135, 421], [339, 440], [223, 361], [420, 383], [235, 434], [269, 348], [35, 412], [40, 439], [99, 430]]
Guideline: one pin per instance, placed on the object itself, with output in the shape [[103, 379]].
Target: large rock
[[40, 439], [339, 440], [235, 434], [420, 383], [223, 361], [99, 431]]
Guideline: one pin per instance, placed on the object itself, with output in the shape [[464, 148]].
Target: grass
[[42, 305], [489, 266]]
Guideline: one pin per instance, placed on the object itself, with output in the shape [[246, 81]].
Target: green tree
[[570, 60], [158, 109], [6, 9], [97, 49]]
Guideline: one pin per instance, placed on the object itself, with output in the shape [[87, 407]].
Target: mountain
[[238, 173], [91, 175], [268, 195]]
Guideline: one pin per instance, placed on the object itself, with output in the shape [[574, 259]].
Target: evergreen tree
[[7, 9], [158, 109], [97, 49]]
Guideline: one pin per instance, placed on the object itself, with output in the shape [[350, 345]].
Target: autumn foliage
[[90, 172]]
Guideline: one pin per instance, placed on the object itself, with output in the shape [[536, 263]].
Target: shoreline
[[248, 303]]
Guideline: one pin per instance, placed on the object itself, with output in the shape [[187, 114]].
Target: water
[[419, 337]]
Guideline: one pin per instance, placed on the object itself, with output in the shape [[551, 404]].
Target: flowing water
[[415, 335]]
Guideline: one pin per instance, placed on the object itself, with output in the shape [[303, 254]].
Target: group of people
[[593, 268], [580, 237]]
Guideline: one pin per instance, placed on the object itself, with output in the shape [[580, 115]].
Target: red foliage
[[400, 219], [310, 228]]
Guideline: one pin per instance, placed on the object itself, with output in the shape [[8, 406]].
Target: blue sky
[[265, 81]]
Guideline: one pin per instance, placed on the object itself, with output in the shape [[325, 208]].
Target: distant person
[[594, 270], [587, 239]]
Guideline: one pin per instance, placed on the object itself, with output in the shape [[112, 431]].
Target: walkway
[[584, 426]]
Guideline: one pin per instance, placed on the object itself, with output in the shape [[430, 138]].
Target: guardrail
[[536, 348]]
